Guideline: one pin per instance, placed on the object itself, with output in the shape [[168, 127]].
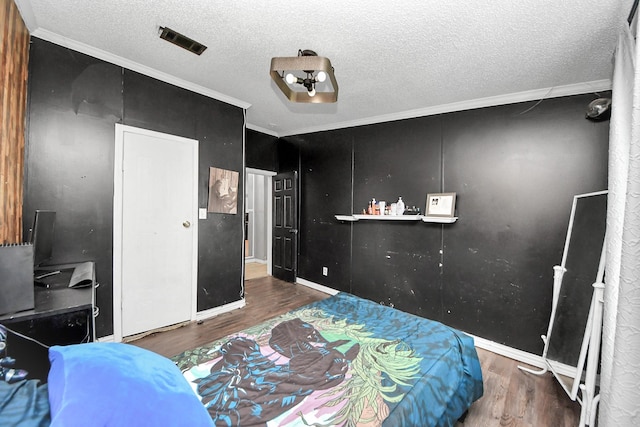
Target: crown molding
[[134, 66], [262, 130], [513, 98], [492, 101]]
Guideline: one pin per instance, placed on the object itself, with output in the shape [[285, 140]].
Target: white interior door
[[158, 261]]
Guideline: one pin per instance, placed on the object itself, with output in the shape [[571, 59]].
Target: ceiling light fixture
[[313, 74]]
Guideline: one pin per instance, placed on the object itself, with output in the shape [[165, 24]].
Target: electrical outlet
[[325, 271]]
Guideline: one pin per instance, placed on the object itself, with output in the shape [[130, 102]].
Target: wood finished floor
[[511, 397], [254, 270]]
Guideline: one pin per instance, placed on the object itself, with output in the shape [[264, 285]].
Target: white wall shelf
[[436, 219], [440, 219], [348, 218]]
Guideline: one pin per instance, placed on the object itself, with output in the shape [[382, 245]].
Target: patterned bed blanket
[[342, 361]]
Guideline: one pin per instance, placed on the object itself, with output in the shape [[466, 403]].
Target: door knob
[[186, 224]]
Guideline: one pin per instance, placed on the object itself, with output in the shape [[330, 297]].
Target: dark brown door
[[285, 226]]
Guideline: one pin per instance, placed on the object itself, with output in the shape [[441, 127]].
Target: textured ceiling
[[392, 59]]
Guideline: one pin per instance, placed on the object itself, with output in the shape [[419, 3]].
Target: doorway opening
[[257, 223]]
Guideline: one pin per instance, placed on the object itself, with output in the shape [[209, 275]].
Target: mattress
[[342, 361]]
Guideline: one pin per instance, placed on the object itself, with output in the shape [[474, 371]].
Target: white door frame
[[117, 222], [268, 210]]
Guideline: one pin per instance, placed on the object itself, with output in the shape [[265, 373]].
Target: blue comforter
[[340, 361]]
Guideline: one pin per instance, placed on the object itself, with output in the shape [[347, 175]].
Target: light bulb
[[291, 79], [312, 92], [322, 76]]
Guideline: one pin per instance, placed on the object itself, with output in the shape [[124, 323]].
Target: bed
[[340, 361]]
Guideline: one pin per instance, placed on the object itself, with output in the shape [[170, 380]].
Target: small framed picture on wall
[[440, 204]]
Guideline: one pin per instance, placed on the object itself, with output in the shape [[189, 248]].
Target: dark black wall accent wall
[[397, 263], [74, 102], [515, 174], [73, 105], [261, 151], [325, 189], [515, 171], [288, 154], [155, 105]]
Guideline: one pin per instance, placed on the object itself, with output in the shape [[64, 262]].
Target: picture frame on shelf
[[440, 204]]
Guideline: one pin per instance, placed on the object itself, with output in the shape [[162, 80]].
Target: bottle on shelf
[[399, 206], [380, 207]]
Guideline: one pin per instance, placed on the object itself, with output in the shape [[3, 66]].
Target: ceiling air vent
[[183, 41]]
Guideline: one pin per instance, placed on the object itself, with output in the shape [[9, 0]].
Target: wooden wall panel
[[14, 58]]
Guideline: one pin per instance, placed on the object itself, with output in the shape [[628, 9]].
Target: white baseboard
[[523, 356], [213, 312], [316, 286], [510, 352], [201, 315]]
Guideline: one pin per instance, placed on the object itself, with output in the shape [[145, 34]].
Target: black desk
[[61, 316]]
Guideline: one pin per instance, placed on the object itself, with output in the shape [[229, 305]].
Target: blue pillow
[[115, 384]]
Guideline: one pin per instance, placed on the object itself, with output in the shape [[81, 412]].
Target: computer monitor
[[41, 236]]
